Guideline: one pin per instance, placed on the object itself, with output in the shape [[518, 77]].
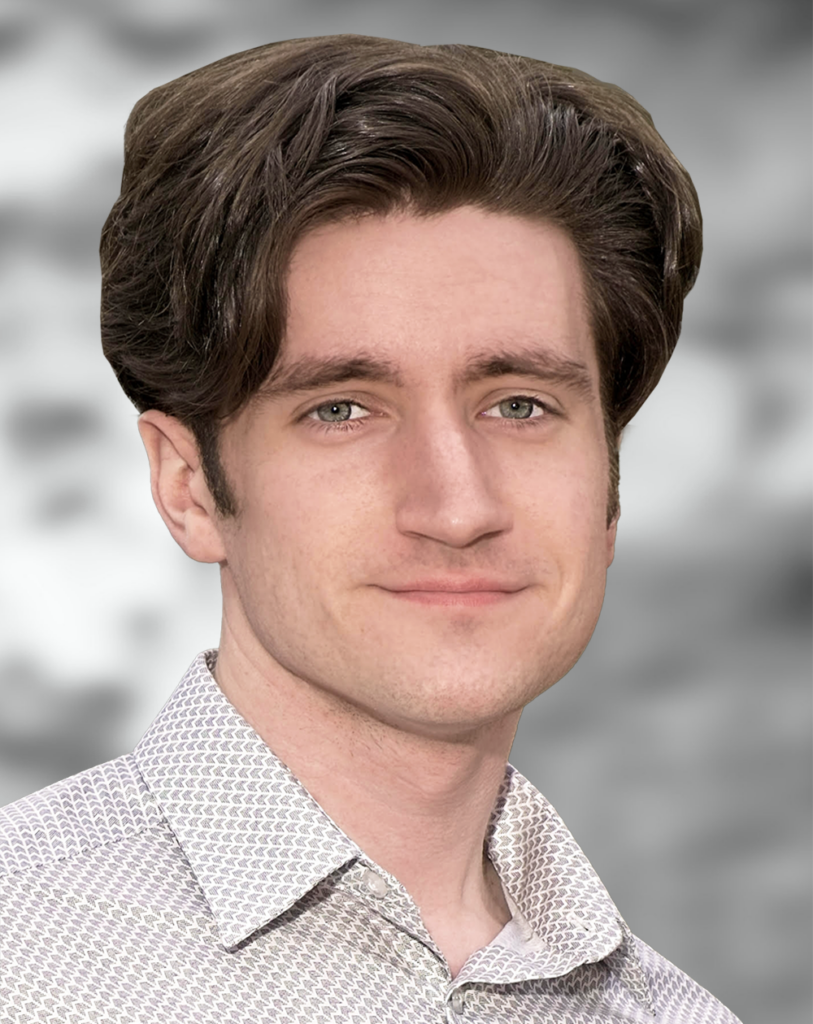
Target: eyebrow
[[541, 364], [311, 373]]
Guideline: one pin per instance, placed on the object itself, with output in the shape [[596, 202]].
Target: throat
[[461, 928]]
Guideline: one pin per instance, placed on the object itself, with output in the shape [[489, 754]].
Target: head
[[227, 167], [244, 179]]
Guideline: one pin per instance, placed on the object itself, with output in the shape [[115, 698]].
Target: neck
[[418, 805]]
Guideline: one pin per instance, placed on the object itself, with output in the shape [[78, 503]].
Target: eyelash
[[350, 425]]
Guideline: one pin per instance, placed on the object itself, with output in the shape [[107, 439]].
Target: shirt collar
[[554, 892], [254, 838], [546, 874], [257, 841]]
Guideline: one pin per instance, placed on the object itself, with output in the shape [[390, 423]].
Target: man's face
[[423, 485]]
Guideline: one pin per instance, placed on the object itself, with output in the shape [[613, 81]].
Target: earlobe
[[179, 487]]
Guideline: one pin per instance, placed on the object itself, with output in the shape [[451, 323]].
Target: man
[[385, 310]]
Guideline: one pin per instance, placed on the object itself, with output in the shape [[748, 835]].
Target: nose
[[447, 488]]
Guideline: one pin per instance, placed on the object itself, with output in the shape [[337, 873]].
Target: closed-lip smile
[[458, 585], [466, 591]]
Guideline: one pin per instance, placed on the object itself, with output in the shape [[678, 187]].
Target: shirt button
[[458, 1001], [375, 883]]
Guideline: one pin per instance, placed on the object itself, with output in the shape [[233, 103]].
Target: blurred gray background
[[678, 750]]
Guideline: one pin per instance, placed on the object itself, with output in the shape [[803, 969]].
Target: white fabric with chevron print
[[196, 882]]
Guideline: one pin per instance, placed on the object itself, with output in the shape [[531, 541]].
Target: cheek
[[309, 516], [565, 491], [566, 510]]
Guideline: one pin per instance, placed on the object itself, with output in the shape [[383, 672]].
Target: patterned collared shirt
[[197, 881]]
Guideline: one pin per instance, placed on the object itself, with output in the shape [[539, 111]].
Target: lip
[[456, 585], [471, 592]]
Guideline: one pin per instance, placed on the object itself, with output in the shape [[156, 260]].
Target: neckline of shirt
[[257, 842]]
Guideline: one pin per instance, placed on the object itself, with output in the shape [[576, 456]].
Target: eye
[[517, 407], [338, 412]]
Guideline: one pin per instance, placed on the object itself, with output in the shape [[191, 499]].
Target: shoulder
[[86, 812], [679, 999], [96, 898]]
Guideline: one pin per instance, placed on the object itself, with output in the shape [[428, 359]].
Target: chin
[[456, 703]]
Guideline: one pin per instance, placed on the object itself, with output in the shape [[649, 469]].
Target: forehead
[[427, 291]]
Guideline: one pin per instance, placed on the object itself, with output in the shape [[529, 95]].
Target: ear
[[179, 487]]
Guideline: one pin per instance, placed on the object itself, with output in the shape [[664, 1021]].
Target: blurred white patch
[[682, 447]]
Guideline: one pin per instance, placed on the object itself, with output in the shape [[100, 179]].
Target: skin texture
[[420, 549]]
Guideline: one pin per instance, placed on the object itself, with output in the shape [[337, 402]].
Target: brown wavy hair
[[226, 167]]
